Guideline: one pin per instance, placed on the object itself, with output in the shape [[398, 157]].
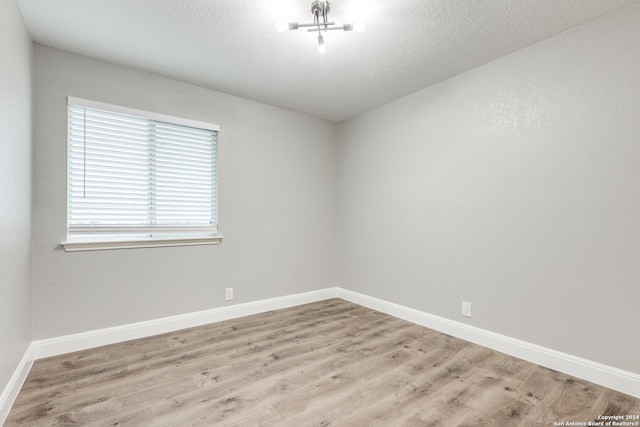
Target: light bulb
[[321, 46], [359, 27], [282, 26]]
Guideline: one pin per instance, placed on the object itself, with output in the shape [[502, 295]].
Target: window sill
[[77, 246]]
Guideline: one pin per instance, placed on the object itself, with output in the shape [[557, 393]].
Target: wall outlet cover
[[466, 309]]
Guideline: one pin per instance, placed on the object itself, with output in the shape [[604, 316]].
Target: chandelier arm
[[312, 24], [342, 28]]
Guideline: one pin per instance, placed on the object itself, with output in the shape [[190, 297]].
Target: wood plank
[[327, 363]]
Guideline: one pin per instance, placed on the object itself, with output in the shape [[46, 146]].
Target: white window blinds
[[133, 173]]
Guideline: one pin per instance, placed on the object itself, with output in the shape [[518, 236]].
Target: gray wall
[[15, 189], [277, 205], [514, 186]]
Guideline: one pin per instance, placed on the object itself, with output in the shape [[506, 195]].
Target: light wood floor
[[327, 363]]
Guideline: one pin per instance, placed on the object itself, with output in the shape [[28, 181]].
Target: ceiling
[[232, 45]]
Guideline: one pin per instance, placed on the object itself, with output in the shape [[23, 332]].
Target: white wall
[[515, 186], [277, 205], [15, 189]]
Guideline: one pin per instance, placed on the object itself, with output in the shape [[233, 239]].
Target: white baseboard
[[607, 376], [91, 339], [12, 389]]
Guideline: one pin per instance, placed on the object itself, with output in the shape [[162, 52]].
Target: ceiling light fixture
[[321, 23]]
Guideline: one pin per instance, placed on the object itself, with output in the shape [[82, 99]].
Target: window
[[139, 179]]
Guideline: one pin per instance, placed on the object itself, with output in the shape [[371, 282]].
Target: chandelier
[[320, 11]]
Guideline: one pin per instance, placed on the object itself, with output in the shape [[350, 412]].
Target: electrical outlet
[[228, 294], [466, 309]]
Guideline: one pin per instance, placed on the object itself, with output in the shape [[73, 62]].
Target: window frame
[[131, 236]]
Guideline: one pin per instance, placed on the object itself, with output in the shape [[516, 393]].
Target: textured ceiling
[[232, 45]]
